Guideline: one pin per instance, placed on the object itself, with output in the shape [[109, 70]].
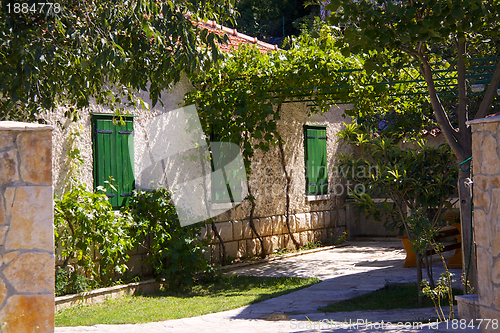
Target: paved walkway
[[346, 272]]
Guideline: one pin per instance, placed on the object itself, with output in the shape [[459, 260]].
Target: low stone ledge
[[493, 119], [20, 126], [100, 295], [468, 307]]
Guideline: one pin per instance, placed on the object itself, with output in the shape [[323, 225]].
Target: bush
[[89, 232], [70, 282], [176, 253], [423, 177]]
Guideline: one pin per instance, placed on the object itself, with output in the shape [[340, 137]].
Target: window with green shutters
[[315, 158], [113, 147], [222, 191]]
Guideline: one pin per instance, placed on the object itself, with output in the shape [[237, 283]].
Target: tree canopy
[[106, 50], [434, 35], [239, 99]]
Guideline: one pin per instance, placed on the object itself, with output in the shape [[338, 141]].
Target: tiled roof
[[493, 115], [236, 38], [433, 132], [437, 131]]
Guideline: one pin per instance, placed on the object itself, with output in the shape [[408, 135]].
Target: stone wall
[[26, 228], [240, 241], [267, 179], [64, 127], [486, 170]]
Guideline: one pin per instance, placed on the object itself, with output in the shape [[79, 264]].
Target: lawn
[[392, 296], [228, 292]]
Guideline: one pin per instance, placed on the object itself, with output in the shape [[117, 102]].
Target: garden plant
[[177, 254], [412, 183], [432, 38], [90, 238]]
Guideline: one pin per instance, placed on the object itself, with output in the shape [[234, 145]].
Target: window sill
[[375, 200], [225, 205], [317, 197]]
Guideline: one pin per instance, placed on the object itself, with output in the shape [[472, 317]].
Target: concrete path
[[346, 272]]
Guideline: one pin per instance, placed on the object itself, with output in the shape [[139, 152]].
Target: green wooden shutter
[[229, 185], [113, 157], [219, 187], [315, 158]]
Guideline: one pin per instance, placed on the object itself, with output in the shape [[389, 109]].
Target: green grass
[[225, 293], [392, 296]]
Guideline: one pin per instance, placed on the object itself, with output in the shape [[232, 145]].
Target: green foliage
[[434, 38], [424, 237], [418, 181], [88, 231], [423, 177], [240, 99], [311, 245], [103, 49], [404, 24], [68, 281], [442, 290], [176, 253], [424, 231]]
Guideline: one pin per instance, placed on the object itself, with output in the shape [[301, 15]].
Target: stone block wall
[[26, 228], [486, 218], [240, 241]]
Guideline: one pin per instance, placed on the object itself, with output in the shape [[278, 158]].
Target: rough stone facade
[[486, 160], [267, 179], [311, 218], [26, 228], [63, 127]]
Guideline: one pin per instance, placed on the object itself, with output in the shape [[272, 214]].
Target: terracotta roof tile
[[433, 132], [493, 115], [236, 38]]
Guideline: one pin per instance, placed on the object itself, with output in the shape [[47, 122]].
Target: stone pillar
[[26, 228], [486, 217]]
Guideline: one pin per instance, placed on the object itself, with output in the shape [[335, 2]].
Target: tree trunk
[[223, 247], [252, 225], [287, 194], [419, 279], [461, 144], [467, 233], [428, 262]]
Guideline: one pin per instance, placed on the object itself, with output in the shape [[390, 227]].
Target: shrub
[[176, 253], [89, 232], [423, 177], [70, 282]]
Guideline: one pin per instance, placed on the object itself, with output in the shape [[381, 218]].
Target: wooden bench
[[444, 232]]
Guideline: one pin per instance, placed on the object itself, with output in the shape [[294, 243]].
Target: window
[[315, 158], [226, 173], [113, 147]]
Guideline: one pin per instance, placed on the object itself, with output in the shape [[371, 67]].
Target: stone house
[[109, 149]]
